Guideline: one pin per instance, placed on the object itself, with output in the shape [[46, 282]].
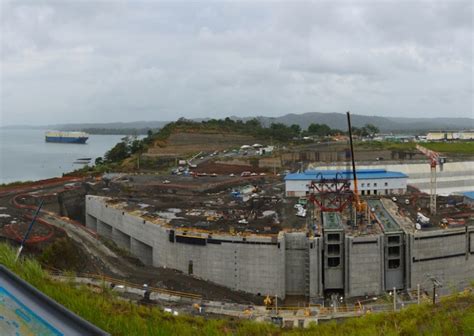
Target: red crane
[[435, 159], [330, 195]]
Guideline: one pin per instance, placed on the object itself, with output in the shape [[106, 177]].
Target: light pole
[[394, 299], [276, 305], [418, 293], [436, 283]]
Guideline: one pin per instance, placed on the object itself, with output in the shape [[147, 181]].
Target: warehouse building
[[369, 181]]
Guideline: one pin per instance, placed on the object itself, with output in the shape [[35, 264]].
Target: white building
[[265, 150], [450, 135], [369, 181]]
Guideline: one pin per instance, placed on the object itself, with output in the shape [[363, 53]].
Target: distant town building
[[243, 147], [392, 137], [369, 181], [265, 150], [450, 135]]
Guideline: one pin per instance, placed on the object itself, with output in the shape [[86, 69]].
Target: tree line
[[120, 131]]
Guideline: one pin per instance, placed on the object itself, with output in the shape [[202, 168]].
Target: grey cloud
[[150, 60]]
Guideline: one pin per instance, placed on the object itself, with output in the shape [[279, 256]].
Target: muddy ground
[[447, 207], [61, 253]]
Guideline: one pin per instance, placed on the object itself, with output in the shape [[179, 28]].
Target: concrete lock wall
[[471, 242], [315, 267], [290, 263], [296, 260], [394, 261], [104, 229], [91, 222], [445, 255], [122, 239], [364, 266], [143, 251], [334, 263], [252, 264]]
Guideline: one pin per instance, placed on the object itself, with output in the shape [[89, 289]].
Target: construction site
[[223, 229]]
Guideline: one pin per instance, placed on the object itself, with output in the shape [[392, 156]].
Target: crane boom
[[352, 155], [358, 203], [435, 160]]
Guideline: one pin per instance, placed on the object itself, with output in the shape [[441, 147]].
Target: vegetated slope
[[187, 137], [183, 142], [453, 316]]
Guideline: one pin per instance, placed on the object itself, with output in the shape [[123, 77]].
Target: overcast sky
[[101, 61]]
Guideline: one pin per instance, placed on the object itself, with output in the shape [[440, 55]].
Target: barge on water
[[67, 137]]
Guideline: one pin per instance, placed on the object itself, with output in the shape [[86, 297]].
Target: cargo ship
[[67, 137]]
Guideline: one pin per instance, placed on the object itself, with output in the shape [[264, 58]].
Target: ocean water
[[24, 155]]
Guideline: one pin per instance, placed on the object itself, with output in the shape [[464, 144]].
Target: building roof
[[469, 194], [362, 174]]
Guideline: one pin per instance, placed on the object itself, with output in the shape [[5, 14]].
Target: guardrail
[[105, 278]]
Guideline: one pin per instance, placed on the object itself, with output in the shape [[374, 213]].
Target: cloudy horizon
[[111, 61]]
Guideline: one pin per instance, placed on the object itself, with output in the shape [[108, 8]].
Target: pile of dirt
[[222, 168]]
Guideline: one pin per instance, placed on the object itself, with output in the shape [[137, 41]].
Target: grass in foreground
[[465, 148], [453, 316], [451, 147]]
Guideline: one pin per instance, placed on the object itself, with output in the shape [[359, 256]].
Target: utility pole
[[276, 305], [436, 283], [29, 229], [394, 299], [418, 293]]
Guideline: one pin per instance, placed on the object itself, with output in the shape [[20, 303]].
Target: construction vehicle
[[435, 160], [268, 301]]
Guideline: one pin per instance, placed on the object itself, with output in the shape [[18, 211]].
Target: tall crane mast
[[354, 173], [435, 159]]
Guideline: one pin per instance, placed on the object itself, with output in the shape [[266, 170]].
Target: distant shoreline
[[93, 131], [394, 124]]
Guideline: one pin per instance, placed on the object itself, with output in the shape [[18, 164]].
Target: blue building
[[469, 198], [369, 181]]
